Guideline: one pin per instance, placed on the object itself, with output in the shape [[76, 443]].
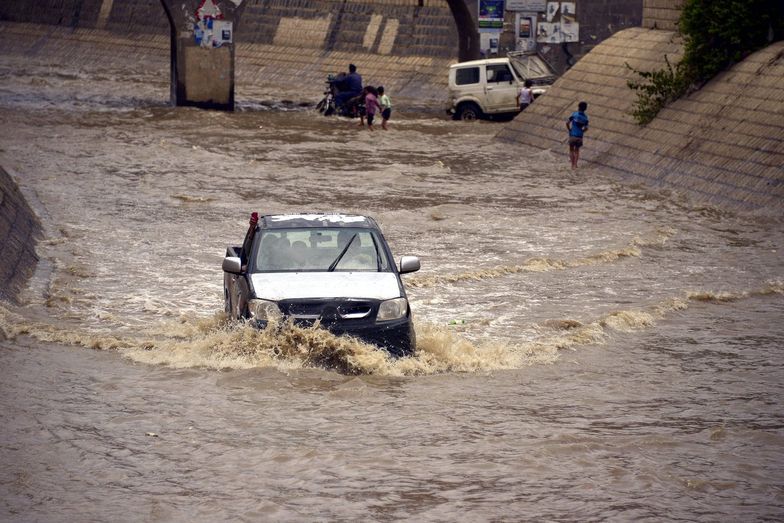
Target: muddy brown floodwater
[[588, 350]]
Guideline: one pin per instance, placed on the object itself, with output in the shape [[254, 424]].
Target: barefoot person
[[371, 105], [386, 107], [577, 124]]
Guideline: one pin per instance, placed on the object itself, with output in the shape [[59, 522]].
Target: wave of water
[[216, 343], [659, 237]]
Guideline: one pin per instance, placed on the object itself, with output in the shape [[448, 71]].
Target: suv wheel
[[468, 112]]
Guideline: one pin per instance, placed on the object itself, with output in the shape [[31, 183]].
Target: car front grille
[[329, 310]]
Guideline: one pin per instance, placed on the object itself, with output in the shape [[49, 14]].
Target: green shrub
[[717, 34], [655, 90], [720, 33]]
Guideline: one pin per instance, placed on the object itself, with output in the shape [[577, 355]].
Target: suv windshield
[[531, 67], [309, 249]]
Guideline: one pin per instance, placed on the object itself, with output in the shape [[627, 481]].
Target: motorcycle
[[352, 108]]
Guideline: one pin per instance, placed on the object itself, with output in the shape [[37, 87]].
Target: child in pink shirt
[[371, 105]]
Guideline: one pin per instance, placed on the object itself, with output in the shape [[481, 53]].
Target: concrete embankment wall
[[661, 14], [19, 231], [403, 44], [722, 145]]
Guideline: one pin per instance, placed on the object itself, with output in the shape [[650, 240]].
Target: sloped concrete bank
[[286, 44], [289, 71], [19, 232], [722, 145]]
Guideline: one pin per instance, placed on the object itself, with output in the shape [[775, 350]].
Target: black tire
[[468, 111], [322, 105]]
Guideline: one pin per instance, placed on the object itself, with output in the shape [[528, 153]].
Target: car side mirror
[[409, 264], [232, 264]]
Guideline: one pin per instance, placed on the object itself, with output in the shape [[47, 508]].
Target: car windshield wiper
[[340, 256]]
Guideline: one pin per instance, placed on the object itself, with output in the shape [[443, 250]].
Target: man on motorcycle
[[353, 82]]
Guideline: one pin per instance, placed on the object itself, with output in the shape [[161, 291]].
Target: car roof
[[487, 61], [286, 221]]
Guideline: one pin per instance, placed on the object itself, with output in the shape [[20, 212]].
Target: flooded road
[[587, 350]]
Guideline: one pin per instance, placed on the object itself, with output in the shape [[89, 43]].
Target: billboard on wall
[[531, 6], [491, 14]]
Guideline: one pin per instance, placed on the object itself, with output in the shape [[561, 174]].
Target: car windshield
[[319, 250], [531, 67]]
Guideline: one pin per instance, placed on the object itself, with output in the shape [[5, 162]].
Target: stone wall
[[291, 72], [406, 45], [661, 14], [19, 231], [599, 19], [722, 145], [386, 27], [402, 28]]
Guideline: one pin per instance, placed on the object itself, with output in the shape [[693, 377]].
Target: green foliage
[[655, 90], [717, 33], [720, 33]]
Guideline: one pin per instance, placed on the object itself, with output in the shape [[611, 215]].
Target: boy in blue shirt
[[577, 124]]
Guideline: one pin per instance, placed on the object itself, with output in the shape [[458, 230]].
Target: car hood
[[297, 285]]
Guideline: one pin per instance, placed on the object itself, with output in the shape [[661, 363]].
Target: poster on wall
[[558, 24], [552, 10], [568, 13], [526, 32], [524, 28], [570, 32], [488, 43], [491, 14], [211, 33], [534, 6], [548, 33], [222, 33]]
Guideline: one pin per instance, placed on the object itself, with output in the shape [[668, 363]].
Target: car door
[[467, 83], [501, 89]]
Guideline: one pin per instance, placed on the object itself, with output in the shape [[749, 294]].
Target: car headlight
[[392, 309], [264, 310]]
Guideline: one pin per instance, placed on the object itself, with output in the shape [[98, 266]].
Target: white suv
[[487, 87]]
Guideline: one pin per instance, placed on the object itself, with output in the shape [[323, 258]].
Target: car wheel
[[468, 112]]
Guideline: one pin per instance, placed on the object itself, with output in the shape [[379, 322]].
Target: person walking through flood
[[371, 105], [577, 124], [386, 107]]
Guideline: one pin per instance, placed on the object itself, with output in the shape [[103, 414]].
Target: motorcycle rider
[[353, 82]]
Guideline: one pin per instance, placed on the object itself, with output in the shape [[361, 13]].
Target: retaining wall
[[723, 145], [406, 45], [19, 232], [661, 14]]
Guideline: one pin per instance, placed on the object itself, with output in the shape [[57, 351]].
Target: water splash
[[216, 343]]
